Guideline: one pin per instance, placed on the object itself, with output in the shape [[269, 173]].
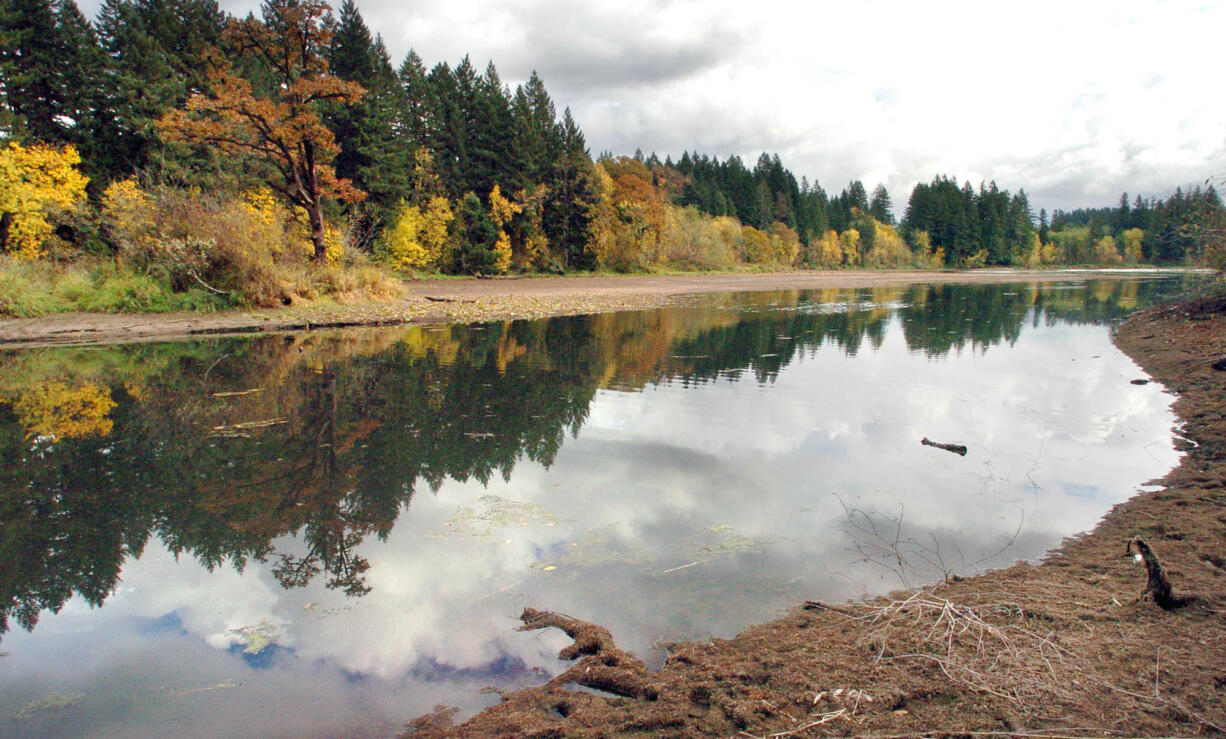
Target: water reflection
[[257, 505]]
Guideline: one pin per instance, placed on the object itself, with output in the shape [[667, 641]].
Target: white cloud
[[1075, 102]]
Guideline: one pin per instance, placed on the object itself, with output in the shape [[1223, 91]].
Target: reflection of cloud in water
[[674, 513]]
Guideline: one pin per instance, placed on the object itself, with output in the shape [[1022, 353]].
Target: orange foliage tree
[[282, 125]]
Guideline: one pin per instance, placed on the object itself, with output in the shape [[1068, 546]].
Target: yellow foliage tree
[[1132, 245], [417, 237], [1034, 255], [604, 238], [1052, 254], [924, 254], [785, 244], [756, 246], [849, 242], [33, 179], [128, 214], [502, 210], [1106, 252], [57, 411], [889, 249], [976, 260], [829, 253], [533, 244]]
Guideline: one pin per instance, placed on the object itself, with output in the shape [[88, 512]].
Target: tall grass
[[31, 288]]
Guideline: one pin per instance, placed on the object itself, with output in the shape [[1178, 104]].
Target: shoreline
[[478, 300], [1065, 647]]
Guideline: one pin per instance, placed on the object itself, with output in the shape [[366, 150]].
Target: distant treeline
[[298, 127]]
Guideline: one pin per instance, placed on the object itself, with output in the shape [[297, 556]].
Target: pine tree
[[535, 122], [880, 207], [372, 156], [571, 198], [350, 58], [34, 93], [157, 55], [414, 103]]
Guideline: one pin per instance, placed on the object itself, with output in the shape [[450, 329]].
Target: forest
[[167, 155]]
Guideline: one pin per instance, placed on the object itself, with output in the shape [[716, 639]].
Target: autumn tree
[[280, 124], [34, 179]]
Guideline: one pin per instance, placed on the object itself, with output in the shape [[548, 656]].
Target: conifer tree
[[571, 198], [34, 93], [880, 207]]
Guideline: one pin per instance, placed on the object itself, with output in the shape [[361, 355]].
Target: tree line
[[211, 155]]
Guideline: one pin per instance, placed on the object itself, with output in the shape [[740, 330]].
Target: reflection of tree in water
[[294, 450], [230, 451]]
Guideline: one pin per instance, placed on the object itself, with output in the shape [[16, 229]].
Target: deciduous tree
[[33, 179], [281, 126]]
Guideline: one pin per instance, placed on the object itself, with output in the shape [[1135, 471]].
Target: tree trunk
[[316, 216], [6, 222]]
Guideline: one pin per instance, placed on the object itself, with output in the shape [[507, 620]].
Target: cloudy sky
[[1075, 102]]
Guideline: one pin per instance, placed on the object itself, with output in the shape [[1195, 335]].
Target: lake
[[332, 532]]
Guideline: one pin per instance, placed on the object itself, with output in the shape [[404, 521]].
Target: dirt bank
[[1064, 648], [466, 300]]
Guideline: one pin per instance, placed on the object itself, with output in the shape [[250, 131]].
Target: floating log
[[955, 448]]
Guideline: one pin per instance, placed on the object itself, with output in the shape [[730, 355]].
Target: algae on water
[[256, 639], [493, 512], [50, 702]]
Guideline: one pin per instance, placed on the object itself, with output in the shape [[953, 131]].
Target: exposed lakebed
[[333, 532]]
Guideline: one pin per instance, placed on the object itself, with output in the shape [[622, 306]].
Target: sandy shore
[[467, 300]]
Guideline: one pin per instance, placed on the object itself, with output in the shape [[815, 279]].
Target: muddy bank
[[468, 300], [1065, 648]]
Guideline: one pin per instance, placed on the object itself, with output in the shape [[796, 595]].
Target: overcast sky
[[1075, 102]]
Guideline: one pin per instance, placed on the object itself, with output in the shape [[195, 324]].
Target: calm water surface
[[331, 533]]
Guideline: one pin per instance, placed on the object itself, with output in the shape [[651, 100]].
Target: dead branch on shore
[[986, 649], [601, 664], [1157, 586]]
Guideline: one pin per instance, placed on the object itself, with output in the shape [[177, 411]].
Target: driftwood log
[[1157, 585], [955, 448]]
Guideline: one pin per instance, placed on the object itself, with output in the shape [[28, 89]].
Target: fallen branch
[[955, 448], [1157, 586]]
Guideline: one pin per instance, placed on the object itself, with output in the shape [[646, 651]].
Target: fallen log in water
[[955, 448]]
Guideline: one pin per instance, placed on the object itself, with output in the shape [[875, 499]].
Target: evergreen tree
[[474, 236], [157, 53], [880, 207], [571, 199], [414, 103], [371, 154], [30, 66], [856, 196], [491, 136], [536, 139], [350, 58]]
